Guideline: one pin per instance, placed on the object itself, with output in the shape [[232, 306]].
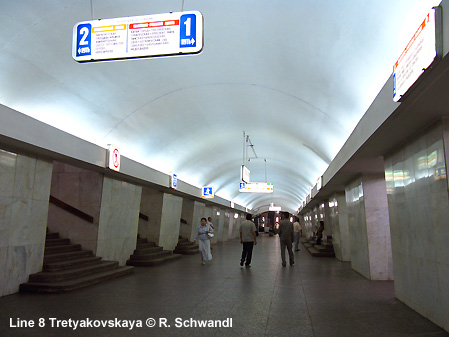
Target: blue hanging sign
[[153, 35]]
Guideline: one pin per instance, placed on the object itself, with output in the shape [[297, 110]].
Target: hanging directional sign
[[138, 36], [256, 187], [244, 174], [423, 48], [207, 192]]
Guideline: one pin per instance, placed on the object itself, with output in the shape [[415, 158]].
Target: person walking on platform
[[248, 240], [297, 233], [286, 238], [209, 223], [203, 236]]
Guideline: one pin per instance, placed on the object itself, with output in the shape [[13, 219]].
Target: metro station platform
[[315, 297]]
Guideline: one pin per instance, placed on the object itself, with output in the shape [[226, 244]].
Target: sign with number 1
[[187, 36], [164, 34]]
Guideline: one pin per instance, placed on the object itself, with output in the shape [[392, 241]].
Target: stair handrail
[[143, 216], [72, 210]]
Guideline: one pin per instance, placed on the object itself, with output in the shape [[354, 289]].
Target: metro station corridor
[[124, 123], [315, 297]]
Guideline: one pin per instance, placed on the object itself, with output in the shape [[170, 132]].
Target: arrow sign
[[138, 36]]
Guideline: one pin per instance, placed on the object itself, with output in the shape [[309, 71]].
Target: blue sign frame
[[187, 35], [84, 39]]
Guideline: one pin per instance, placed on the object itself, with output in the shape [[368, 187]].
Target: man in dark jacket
[[286, 237], [248, 240]]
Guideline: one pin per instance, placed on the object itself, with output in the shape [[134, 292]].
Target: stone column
[[232, 225], [171, 213], [164, 214], [314, 222], [324, 215], [417, 186], [369, 227], [226, 224], [24, 192], [119, 219], [221, 224], [185, 229], [340, 229], [151, 206], [208, 211], [378, 227], [235, 224], [308, 225], [198, 213]]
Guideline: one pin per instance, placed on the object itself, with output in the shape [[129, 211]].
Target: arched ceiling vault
[[295, 75]]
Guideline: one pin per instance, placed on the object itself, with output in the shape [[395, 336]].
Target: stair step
[[62, 249], [150, 256], [69, 285], [187, 251], [316, 253], [185, 243], [187, 247], [141, 240], [148, 250], [52, 236], [154, 262], [145, 245], [56, 242], [67, 264], [182, 240], [73, 273], [192, 245], [323, 248], [49, 258]]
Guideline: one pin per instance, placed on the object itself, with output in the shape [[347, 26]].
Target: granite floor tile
[[314, 298]]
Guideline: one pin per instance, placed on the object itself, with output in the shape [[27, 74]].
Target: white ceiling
[[297, 76]]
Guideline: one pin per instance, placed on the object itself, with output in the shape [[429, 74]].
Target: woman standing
[[203, 236]]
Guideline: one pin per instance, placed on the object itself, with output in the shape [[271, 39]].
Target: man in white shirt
[[209, 222], [297, 233], [248, 239]]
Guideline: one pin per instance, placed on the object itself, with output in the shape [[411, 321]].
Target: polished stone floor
[[315, 297]]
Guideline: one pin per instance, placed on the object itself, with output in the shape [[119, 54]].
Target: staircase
[[67, 267], [147, 254], [186, 247], [326, 249]]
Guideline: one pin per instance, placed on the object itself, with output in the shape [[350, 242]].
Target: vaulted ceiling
[[296, 76]]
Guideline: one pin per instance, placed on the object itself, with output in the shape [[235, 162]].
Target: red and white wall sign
[[114, 158]]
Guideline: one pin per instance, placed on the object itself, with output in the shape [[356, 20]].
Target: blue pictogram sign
[[207, 191], [174, 182], [187, 36], [84, 39]]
